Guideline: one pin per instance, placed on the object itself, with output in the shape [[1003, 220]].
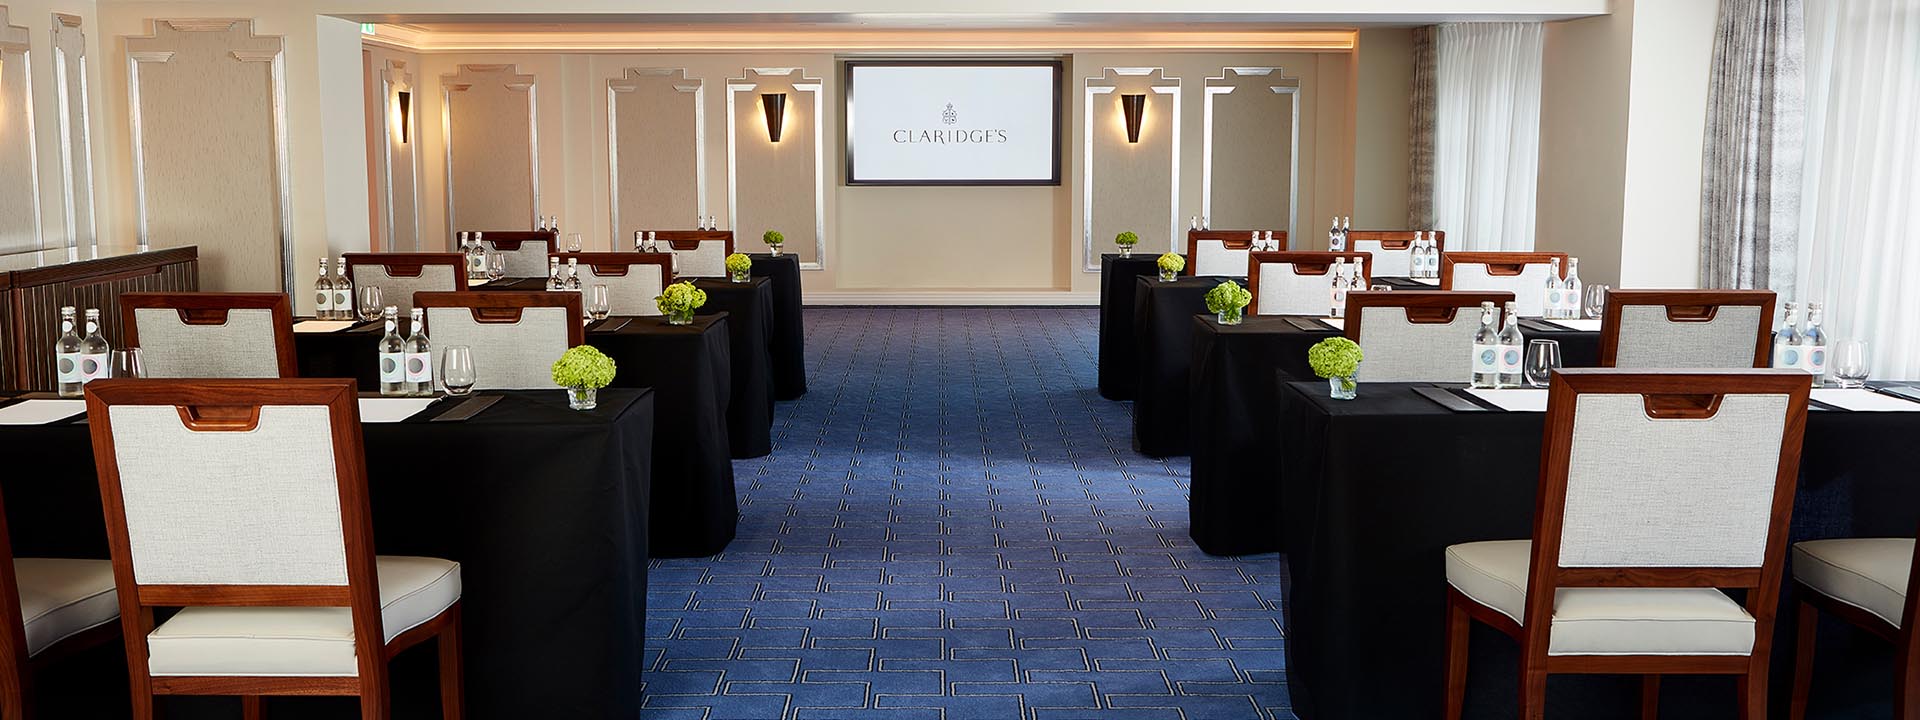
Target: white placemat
[[1864, 400], [391, 410], [1582, 324], [321, 326], [40, 412], [1337, 323], [1515, 400], [1426, 281]]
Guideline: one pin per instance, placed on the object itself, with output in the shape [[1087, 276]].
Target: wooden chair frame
[[1436, 307], [17, 667], [1906, 643], [1687, 306], [1231, 239], [1396, 239], [234, 406], [510, 240], [1314, 263], [691, 239], [507, 306], [411, 264], [618, 264], [212, 308], [1667, 394], [1499, 264]]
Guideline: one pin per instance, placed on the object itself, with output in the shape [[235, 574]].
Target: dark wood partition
[[34, 286]]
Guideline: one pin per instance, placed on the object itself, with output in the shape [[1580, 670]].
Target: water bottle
[[342, 293], [1813, 345], [419, 357], [1337, 288], [1512, 346], [66, 356], [393, 355], [1485, 371], [553, 273], [94, 351], [1554, 297], [1575, 291], [1786, 340], [323, 292]]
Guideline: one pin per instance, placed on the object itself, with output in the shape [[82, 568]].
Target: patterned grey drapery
[[1420, 131], [1751, 165]]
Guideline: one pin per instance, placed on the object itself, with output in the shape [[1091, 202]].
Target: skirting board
[[956, 297]]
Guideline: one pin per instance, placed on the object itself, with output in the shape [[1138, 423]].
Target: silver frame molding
[[801, 83], [627, 82], [1223, 85], [1091, 256], [70, 145], [395, 78], [517, 81]]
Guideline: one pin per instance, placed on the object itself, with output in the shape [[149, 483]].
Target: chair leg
[[250, 708], [1533, 692], [1753, 692], [1649, 697], [374, 706], [452, 687], [1459, 627], [1906, 677], [13, 699], [1808, 630]]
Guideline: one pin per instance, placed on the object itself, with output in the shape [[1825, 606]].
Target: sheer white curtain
[[1486, 149], [1860, 212]]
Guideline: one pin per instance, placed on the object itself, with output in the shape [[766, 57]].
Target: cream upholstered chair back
[[1522, 273], [1392, 250], [523, 252], [1704, 329], [698, 253], [515, 336], [633, 280], [1418, 335], [400, 275], [1222, 253], [1296, 283], [211, 335]]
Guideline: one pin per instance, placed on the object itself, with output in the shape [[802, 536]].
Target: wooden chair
[[50, 609], [633, 279], [1868, 583], [211, 335], [1296, 283], [515, 336], [400, 275], [524, 252], [1222, 253], [244, 503], [1392, 250], [1687, 329], [1417, 335], [1522, 273], [1657, 491], [698, 253]]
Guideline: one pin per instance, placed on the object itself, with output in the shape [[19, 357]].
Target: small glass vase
[[775, 250], [1126, 251], [1230, 316], [741, 276], [680, 317], [581, 397], [1343, 388], [1167, 275]]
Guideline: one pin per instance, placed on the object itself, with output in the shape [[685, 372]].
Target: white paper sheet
[[1516, 400], [477, 282], [1337, 323], [1582, 324], [390, 410], [321, 326], [1426, 281], [1864, 400], [40, 412]]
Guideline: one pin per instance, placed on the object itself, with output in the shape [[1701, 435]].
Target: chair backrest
[[633, 280], [524, 252], [515, 336], [400, 275], [1417, 335], [235, 493], [1392, 249], [1223, 253], [1698, 329], [1522, 273], [698, 253], [211, 335], [1296, 283], [1666, 479]]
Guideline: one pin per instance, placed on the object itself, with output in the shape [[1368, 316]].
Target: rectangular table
[[1117, 350], [1163, 336], [749, 310], [1373, 490], [545, 508], [788, 341]]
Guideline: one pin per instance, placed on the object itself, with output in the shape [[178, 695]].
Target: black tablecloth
[[1117, 275], [1376, 488], [789, 326], [1232, 419], [749, 310], [689, 368], [1163, 333], [545, 509]]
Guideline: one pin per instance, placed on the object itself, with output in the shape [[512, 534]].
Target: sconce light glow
[[1135, 108], [775, 106], [406, 116]]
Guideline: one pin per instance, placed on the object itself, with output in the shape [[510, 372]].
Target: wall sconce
[[406, 116], [775, 105], [1135, 108]]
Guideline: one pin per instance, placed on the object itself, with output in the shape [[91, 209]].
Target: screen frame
[[1057, 65]]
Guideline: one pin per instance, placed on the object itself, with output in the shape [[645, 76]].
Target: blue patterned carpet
[[953, 525]]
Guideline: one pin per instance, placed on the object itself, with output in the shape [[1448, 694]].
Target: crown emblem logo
[[949, 116]]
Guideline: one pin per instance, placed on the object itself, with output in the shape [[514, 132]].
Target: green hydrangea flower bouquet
[[1126, 241], [774, 240], [1337, 359], [1170, 265], [679, 301], [739, 267], [1228, 302], [583, 370]]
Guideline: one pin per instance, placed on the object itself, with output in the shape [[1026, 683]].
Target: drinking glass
[[1381, 287], [456, 369], [1543, 357], [496, 266], [370, 303], [597, 303], [1851, 364], [127, 364], [573, 242], [1595, 298]]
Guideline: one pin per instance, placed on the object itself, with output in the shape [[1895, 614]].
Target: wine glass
[[1594, 297], [127, 364], [597, 304], [370, 303], [456, 370], [1851, 364], [496, 266], [573, 242], [1543, 357]]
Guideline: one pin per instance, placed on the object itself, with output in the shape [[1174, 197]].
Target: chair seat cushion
[[1604, 621], [299, 642], [60, 598], [1867, 573]]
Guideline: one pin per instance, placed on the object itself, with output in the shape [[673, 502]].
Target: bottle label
[[393, 367], [1813, 359], [1572, 304], [1556, 300], [1786, 356], [340, 301], [93, 366], [419, 368], [1509, 359], [67, 367], [323, 301], [1486, 359]]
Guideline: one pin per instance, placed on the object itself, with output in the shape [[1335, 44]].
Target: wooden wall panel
[[492, 159], [655, 145]]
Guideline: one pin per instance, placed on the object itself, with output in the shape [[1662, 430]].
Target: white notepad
[[41, 412], [1582, 324], [391, 410], [1864, 400], [1515, 400], [1426, 281], [1337, 323], [321, 326]]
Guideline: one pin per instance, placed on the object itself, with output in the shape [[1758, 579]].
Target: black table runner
[[749, 310]]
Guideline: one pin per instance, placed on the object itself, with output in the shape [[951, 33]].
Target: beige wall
[[1583, 141], [1382, 109]]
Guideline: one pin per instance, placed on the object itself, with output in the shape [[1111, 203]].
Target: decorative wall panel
[[656, 145], [399, 167], [20, 195], [1131, 186], [786, 180], [209, 134], [493, 161], [1252, 119], [76, 134]]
